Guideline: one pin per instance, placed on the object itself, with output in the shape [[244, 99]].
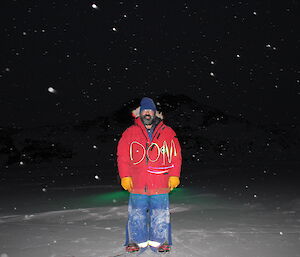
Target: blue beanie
[[147, 103]]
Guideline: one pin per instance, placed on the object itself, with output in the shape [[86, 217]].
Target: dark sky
[[63, 61]]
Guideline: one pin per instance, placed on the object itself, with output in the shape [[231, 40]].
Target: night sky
[[65, 61]]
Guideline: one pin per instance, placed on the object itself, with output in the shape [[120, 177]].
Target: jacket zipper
[[147, 159]]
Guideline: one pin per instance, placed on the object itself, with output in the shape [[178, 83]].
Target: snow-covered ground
[[207, 221]]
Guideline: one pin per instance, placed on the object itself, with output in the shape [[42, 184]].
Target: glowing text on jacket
[[167, 152]]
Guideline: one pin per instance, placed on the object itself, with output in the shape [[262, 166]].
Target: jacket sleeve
[[177, 155], [123, 156]]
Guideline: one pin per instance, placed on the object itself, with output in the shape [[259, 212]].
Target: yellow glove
[[126, 183], [173, 182]]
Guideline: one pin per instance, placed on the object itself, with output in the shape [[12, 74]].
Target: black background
[[226, 75]]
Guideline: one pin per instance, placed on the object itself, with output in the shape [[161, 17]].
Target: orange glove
[[126, 183], [173, 182]]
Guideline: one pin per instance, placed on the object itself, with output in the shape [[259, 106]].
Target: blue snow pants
[[148, 219]]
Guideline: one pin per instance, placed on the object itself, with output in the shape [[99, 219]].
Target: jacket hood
[[136, 113]]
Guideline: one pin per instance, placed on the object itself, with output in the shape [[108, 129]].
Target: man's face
[[147, 116]]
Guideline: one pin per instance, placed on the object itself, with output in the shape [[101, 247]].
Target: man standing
[[149, 164]]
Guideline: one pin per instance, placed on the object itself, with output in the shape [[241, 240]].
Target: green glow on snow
[[118, 197]]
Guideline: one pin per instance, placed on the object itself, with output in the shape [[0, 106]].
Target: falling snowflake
[[51, 90], [94, 6]]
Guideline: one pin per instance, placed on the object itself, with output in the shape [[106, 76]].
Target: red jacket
[[149, 163]]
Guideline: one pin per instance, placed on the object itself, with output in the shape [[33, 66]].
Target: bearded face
[[147, 116]]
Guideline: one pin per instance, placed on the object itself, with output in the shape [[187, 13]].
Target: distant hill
[[207, 135]]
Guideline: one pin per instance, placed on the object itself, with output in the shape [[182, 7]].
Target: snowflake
[[51, 90], [94, 6]]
